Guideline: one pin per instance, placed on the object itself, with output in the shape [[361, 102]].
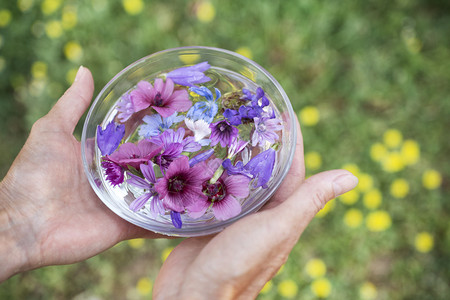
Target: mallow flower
[[188, 76], [108, 139], [134, 155], [223, 132]]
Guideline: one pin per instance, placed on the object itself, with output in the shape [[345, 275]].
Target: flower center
[[215, 192], [176, 184], [158, 100], [261, 127]]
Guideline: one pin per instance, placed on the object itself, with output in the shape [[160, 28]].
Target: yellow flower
[[399, 188], [69, 17], [321, 287], [288, 288], [316, 268], [350, 197], [368, 291], [365, 182], [39, 70], [165, 254], [378, 221], [205, 12], [53, 29], [393, 162], [133, 7], [372, 199], [50, 6], [309, 116], [73, 51], [424, 242], [189, 59], [313, 160], [410, 152], [326, 209], [245, 51], [378, 152], [5, 17], [136, 243], [70, 75], [24, 5], [267, 287], [431, 179], [353, 218], [352, 168], [144, 286], [392, 138]]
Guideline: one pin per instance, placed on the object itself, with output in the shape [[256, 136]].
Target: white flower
[[199, 127]]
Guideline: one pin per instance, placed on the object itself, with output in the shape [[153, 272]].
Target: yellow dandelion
[[326, 209], [353, 218], [267, 287], [372, 199], [39, 70], [393, 162], [5, 17], [321, 287], [70, 75], [368, 291], [73, 51], [399, 188], [24, 5], [365, 182], [69, 17], [2, 64], [136, 243], [133, 7], [378, 152], [378, 221], [288, 288], [424, 242], [144, 286], [410, 152], [205, 12], [165, 254], [50, 6], [315, 268], [245, 51], [352, 168], [350, 197], [431, 179], [313, 160], [392, 138], [53, 29], [309, 116]]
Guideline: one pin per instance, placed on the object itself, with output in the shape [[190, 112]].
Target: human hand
[[236, 263], [49, 214]]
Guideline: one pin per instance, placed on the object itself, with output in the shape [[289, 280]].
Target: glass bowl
[[104, 110]]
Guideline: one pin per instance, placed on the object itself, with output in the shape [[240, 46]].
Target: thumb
[[71, 106]]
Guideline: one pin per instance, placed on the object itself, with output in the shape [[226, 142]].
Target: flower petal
[[167, 89], [148, 173], [198, 208], [227, 208], [140, 202], [237, 185], [138, 181]]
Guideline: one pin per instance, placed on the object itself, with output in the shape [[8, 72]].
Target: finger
[[71, 106]]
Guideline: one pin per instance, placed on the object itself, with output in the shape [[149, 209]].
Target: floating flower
[[169, 154], [223, 132], [114, 172], [109, 139], [205, 110], [201, 157], [188, 76], [261, 167], [155, 125], [170, 136], [236, 146], [125, 108], [257, 97], [134, 155], [265, 131], [200, 128], [161, 97]]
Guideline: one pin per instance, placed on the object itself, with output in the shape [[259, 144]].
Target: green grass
[[367, 66]]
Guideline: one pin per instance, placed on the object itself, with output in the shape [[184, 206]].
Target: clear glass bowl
[[118, 199]]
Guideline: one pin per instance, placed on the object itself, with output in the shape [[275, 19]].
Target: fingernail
[[80, 73], [344, 183]]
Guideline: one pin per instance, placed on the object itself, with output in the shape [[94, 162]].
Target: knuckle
[[319, 198]]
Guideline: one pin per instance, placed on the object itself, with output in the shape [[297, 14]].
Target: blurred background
[[370, 81]]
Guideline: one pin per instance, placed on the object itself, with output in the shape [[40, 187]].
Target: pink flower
[[161, 97], [134, 155]]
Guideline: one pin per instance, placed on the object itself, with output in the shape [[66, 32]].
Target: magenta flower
[[161, 97], [125, 108], [181, 186], [114, 172], [221, 196], [191, 75], [223, 132], [170, 136], [109, 139], [265, 131], [134, 155]]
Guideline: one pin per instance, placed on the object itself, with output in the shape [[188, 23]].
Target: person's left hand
[[49, 213]]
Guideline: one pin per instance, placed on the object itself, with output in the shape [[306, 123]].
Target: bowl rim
[[210, 228]]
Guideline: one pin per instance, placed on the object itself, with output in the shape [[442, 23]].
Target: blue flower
[[205, 110], [109, 139], [191, 75], [247, 112], [155, 125]]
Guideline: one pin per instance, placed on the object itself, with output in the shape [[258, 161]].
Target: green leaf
[[245, 131]]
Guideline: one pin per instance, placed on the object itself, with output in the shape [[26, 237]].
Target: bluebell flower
[[109, 139], [246, 113], [205, 110], [156, 125], [260, 94], [188, 76]]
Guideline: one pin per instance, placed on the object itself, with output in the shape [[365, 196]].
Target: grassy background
[[359, 73]]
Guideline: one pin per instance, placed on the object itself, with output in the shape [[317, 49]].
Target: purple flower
[[255, 97], [239, 169], [125, 108], [161, 97], [236, 146], [265, 131], [223, 132], [191, 75], [109, 139], [176, 219], [148, 184], [222, 196], [134, 155], [170, 153], [170, 136], [154, 125], [233, 116], [114, 172], [261, 167], [245, 114], [181, 186], [201, 157]]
